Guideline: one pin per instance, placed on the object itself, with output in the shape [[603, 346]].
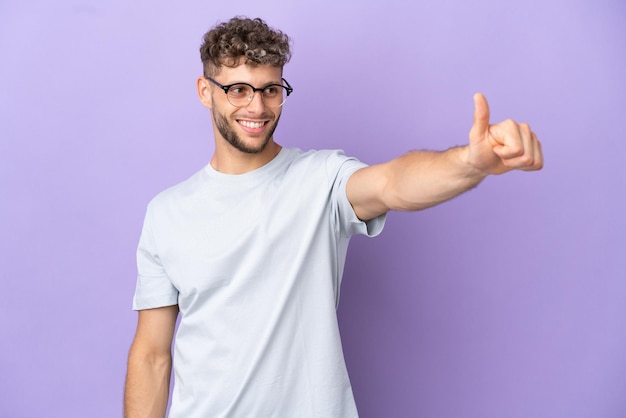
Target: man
[[251, 249]]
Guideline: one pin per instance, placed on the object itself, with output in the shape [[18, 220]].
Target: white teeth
[[252, 125]]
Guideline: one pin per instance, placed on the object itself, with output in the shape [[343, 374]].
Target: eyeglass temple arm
[[289, 88]]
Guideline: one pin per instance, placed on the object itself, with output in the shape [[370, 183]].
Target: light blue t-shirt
[[254, 262]]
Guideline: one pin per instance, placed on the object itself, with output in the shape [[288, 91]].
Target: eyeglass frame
[[227, 87]]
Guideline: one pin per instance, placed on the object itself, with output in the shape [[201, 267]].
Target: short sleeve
[[154, 288], [348, 221]]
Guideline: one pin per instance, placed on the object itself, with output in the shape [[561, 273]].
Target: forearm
[[422, 179], [147, 385]]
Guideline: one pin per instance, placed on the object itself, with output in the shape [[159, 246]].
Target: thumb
[[481, 117]]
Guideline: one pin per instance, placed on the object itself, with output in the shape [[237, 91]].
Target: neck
[[228, 160]]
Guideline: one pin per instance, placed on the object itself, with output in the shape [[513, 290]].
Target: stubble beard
[[227, 132]]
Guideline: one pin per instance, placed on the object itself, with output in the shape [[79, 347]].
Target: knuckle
[[524, 127], [516, 150], [510, 123], [527, 160]]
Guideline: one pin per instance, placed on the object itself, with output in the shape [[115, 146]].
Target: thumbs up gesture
[[502, 147]]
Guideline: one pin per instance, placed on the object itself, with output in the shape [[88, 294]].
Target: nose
[[256, 104]]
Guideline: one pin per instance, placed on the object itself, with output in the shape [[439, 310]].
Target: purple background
[[509, 301]]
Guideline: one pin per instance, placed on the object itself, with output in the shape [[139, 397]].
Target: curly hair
[[253, 39]]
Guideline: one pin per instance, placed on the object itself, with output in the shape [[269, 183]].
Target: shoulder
[[331, 159], [179, 192], [323, 168]]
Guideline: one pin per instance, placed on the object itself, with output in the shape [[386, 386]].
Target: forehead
[[255, 75]]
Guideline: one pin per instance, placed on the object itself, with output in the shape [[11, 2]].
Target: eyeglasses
[[241, 94]]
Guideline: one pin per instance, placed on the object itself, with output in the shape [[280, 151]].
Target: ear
[[204, 91]]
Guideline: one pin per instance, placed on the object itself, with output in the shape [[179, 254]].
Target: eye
[[239, 90], [272, 90]]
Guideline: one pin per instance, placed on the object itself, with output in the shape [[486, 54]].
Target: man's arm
[[422, 179], [150, 364]]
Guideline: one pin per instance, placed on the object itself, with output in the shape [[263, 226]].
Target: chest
[[225, 241]]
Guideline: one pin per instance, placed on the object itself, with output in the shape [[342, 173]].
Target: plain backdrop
[[507, 302]]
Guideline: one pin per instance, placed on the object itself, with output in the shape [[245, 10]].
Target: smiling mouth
[[251, 124]]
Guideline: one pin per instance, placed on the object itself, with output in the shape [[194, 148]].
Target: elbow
[[157, 360]]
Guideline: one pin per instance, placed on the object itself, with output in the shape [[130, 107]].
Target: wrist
[[469, 169]]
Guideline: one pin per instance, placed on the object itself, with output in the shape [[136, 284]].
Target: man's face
[[248, 128]]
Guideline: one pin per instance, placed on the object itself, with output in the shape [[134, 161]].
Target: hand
[[505, 146]]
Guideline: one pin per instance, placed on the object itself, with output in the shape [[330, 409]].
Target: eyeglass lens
[[242, 94]]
